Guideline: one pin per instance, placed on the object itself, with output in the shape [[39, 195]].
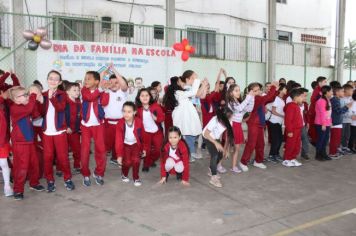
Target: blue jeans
[[323, 137], [190, 140]]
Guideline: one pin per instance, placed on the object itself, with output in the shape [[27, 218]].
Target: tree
[[350, 54]]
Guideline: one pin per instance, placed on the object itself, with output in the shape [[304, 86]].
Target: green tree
[[350, 54]]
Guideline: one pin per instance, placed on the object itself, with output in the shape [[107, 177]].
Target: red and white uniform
[[293, 121]]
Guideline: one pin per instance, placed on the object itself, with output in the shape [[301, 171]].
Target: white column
[[170, 22], [272, 37], [340, 39]]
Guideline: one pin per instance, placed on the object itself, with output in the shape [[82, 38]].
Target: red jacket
[[257, 116], [58, 100], [315, 96], [4, 124], [305, 112], [293, 119], [182, 153], [98, 99], [73, 114], [22, 129], [156, 110], [4, 86], [120, 135], [211, 100]]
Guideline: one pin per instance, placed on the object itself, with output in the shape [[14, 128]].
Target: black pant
[[215, 156], [276, 138], [352, 139]]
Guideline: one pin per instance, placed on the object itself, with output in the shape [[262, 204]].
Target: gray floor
[[259, 202]]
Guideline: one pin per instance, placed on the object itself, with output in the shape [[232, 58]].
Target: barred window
[[126, 29], [204, 42], [71, 28]]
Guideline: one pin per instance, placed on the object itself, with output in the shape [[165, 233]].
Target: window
[[126, 29], [282, 1], [313, 38], [204, 42], [284, 36], [106, 23], [73, 29], [158, 32]]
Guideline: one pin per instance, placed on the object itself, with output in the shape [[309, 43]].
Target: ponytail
[[221, 114]]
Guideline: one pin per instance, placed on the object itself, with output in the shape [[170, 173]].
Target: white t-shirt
[[93, 121], [353, 113], [129, 135], [268, 111], [37, 122], [172, 153], [279, 105], [50, 121], [215, 127], [289, 100], [148, 123], [346, 117], [302, 112], [114, 108]]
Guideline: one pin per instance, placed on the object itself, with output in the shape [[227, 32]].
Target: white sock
[[5, 171]]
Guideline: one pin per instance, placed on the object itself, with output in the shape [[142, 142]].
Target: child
[[293, 121], [128, 143], [322, 123], [175, 156], [73, 116], [113, 110], [169, 103], [22, 139], [353, 123], [54, 132], [305, 138], [212, 134], [256, 123], [337, 112], [346, 120], [152, 116], [233, 98], [92, 126], [275, 124]]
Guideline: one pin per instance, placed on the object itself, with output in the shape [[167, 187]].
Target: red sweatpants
[[335, 140], [56, 144], [25, 164], [110, 133], [312, 133], [152, 145], [97, 133], [130, 159], [293, 145], [39, 147], [74, 144], [168, 122], [255, 141]]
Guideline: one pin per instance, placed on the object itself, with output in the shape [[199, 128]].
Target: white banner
[[73, 59]]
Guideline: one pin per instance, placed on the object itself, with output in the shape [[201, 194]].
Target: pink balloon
[[41, 31], [28, 34], [45, 44]]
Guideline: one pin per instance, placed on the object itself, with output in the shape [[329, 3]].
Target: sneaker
[[8, 192], [243, 167], [335, 156], [51, 187], [287, 163], [217, 175], [273, 159], [86, 181], [221, 169], [235, 169], [259, 165], [340, 151], [59, 174], [145, 169], [38, 188], [198, 156], [125, 179], [69, 185], [191, 160], [76, 171], [215, 181], [18, 196], [296, 163], [114, 162], [98, 179], [137, 183], [279, 158]]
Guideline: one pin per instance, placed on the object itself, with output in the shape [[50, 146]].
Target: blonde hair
[[14, 91]]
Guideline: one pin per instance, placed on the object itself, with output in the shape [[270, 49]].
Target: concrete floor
[[259, 202]]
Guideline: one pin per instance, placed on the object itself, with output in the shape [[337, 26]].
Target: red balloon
[[185, 56], [178, 46], [192, 50], [185, 42]]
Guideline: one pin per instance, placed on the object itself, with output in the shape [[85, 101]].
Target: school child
[[233, 100], [293, 121], [157, 87], [352, 139], [73, 117], [275, 124], [337, 112], [128, 144], [113, 110], [168, 104], [175, 157], [322, 123], [346, 119], [54, 132], [256, 123], [24, 151], [212, 134], [92, 126], [305, 138]]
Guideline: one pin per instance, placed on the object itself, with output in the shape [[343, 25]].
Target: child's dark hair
[[336, 89], [304, 90], [324, 90], [354, 95], [347, 87], [113, 76], [169, 98], [320, 79], [282, 81], [252, 86], [71, 85], [129, 104], [55, 72], [186, 75], [95, 74], [138, 101], [176, 130], [281, 87], [334, 84], [2, 72], [155, 84], [296, 93], [63, 85], [222, 116], [314, 84], [229, 97], [37, 82], [224, 91]]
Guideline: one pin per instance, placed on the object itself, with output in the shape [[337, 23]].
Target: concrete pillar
[[170, 22], [340, 39], [272, 37], [17, 28]]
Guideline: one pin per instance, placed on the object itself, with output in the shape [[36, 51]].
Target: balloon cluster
[[185, 48], [37, 38]]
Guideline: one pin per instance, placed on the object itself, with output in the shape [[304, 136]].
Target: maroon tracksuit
[[208, 106], [4, 86], [311, 114], [293, 121]]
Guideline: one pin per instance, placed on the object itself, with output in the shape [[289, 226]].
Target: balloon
[[185, 56], [37, 38], [185, 42], [41, 31], [28, 34], [185, 47], [45, 44], [32, 45], [178, 46]]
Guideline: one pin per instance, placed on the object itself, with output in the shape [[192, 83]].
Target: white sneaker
[[125, 179], [296, 163], [259, 165], [235, 169], [137, 183], [243, 167], [217, 175], [8, 191], [198, 156], [215, 181], [288, 163], [221, 169]]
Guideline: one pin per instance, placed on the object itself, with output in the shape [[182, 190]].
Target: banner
[[73, 59]]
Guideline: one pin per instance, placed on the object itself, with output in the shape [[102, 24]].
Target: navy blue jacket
[[337, 111]]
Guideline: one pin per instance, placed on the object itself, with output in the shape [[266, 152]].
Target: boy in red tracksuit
[[256, 124], [54, 132], [3, 76], [73, 117], [22, 139], [92, 126], [293, 121]]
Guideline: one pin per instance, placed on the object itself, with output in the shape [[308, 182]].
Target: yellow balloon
[[37, 38]]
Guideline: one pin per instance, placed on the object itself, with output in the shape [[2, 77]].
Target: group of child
[[45, 126]]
